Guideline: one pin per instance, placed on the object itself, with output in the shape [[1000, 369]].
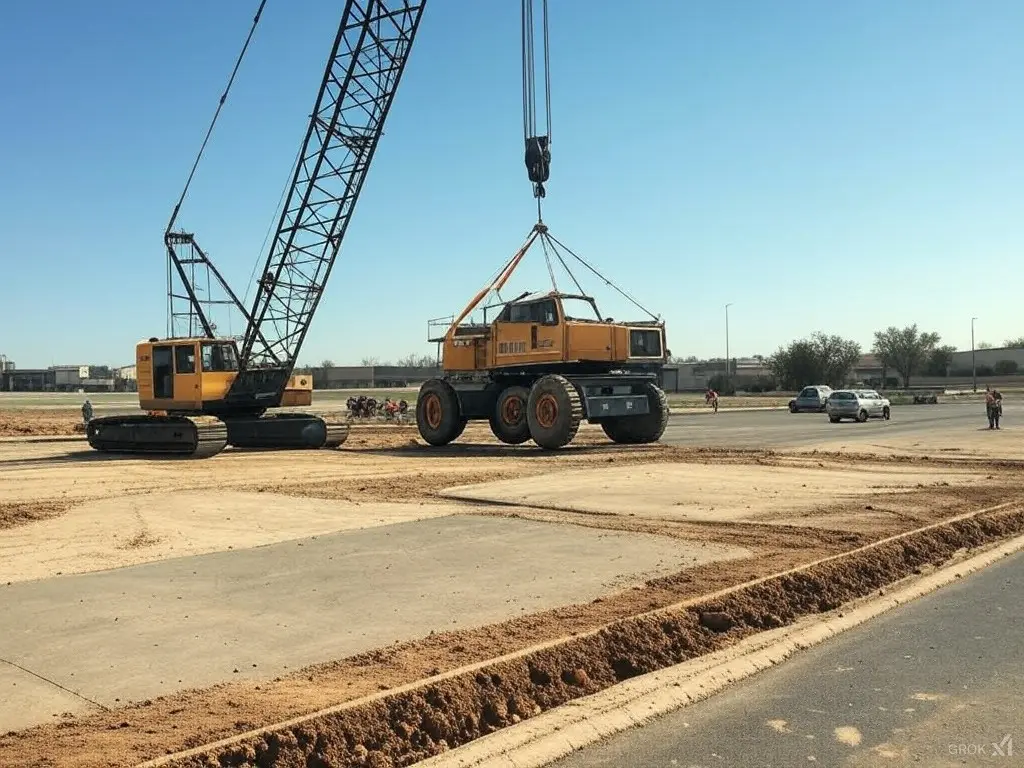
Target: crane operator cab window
[[185, 358], [543, 312], [220, 357]]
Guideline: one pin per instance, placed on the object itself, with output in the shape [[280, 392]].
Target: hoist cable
[[216, 114]]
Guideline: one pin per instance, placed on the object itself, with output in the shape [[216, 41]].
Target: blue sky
[[833, 166]]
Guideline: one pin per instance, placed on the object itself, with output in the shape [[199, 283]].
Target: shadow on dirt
[[485, 450]]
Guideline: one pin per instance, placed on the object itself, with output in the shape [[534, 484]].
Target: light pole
[[974, 368], [728, 367]]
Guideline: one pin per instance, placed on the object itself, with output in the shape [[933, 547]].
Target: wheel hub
[[546, 411], [512, 411], [432, 410]]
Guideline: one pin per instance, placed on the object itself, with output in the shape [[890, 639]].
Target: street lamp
[[728, 367], [974, 368]]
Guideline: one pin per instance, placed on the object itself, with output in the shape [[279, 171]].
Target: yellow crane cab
[[194, 375]]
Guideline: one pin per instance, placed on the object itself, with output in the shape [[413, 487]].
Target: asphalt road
[[937, 682], [782, 429]]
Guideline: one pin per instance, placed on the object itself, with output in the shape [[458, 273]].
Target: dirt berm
[[403, 727]]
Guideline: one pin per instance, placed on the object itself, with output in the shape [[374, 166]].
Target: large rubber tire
[[437, 412], [508, 421], [553, 411], [641, 429]]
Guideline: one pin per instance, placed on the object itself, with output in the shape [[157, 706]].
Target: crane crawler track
[[284, 431], [196, 438], [205, 436]]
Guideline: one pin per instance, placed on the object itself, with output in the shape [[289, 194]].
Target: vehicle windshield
[[843, 396], [578, 309]]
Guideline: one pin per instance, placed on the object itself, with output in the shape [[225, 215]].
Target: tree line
[[908, 352]]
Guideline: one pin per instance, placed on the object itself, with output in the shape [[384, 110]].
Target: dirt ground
[[65, 509]]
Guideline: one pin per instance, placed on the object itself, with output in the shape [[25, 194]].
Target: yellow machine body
[[535, 330], [194, 375]]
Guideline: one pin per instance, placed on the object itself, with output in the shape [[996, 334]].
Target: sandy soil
[[67, 509], [114, 511], [126, 736], [131, 529], [710, 492], [1006, 443]]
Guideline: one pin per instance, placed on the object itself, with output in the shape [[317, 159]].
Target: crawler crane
[[202, 392]]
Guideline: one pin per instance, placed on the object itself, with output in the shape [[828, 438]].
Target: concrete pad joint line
[[604, 711], [54, 683], [419, 684]]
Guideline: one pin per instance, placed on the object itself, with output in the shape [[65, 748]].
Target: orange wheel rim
[[432, 411], [512, 411], [546, 411]]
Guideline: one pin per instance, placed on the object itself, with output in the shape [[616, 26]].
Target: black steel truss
[[359, 84], [190, 272]]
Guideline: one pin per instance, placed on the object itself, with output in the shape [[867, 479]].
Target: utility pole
[[728, 365], [974, 367]]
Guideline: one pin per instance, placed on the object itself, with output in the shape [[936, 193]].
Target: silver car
[[813, 398], [857, 404]]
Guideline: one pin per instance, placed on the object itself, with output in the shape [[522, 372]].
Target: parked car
[[813, 398], [857, 404]]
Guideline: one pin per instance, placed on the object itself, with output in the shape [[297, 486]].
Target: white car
[[857, 404]]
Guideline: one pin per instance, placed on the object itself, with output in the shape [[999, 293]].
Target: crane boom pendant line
[[182, 249], [538, 145]]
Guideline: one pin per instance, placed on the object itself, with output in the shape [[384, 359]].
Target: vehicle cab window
[[809, 392], [542, 312], [219, 357], [185, 358]]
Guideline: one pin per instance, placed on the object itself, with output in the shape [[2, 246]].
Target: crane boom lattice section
[[359, 84]]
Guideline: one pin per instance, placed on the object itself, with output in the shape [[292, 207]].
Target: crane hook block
[[538, 159]]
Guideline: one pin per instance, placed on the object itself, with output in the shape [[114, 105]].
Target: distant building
[[58, 378], [987, 358], [26, 380]]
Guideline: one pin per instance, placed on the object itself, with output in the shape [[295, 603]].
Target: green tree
[[939, 361], [820, 359], [984, 345], [905, 350], [1017, 343]]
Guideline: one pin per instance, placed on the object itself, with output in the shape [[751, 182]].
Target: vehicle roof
[[187, 340], [528, 298]]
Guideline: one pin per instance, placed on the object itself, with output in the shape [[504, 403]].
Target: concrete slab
[[146, 630], [130, 529], [712, 492], [29, 700]]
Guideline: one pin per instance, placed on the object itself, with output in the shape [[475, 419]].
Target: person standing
[[87, 412], [992, 408]]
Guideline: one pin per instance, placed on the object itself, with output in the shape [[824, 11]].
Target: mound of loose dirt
[[31, 423], [23, 512], [403, 728]]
